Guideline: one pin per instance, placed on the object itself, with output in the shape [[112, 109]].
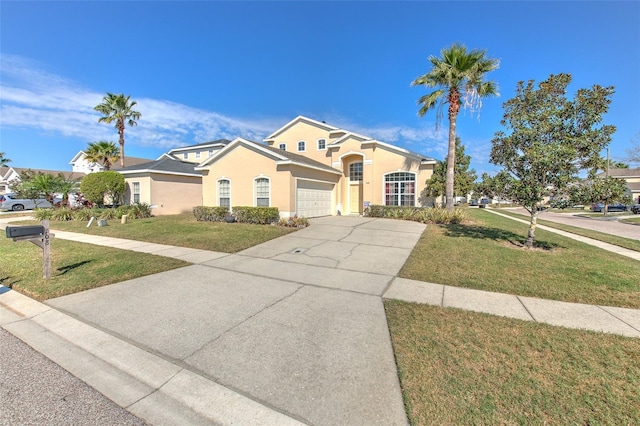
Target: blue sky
[[207, 70]]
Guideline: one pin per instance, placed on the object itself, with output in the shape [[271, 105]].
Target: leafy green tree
[[118, 109], [551, 139], [4, 161], [464, 178], [458, 77], [493, 186], [606, 190], [102, 152], [34, 185], [103, 186]]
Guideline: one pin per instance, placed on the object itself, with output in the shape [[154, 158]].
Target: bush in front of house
[[210, 214], [256, 215], [437, 215], [294, 222]]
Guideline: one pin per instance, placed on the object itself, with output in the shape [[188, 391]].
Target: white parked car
[[11, 202]]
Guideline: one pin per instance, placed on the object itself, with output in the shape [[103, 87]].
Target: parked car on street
[[12, 202], [618, 207], [635, 209]]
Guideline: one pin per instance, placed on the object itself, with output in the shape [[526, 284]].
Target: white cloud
[[33, 98]]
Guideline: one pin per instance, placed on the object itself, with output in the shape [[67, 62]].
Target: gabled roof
[[65, 173], [622, 173], [300, 119], [130, 161], [211, 144], [164, 165], [278, 155]]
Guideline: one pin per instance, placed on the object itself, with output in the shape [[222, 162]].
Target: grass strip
[[458, 367], [75, 267], [182, 231], [488, 255], [627, 243]]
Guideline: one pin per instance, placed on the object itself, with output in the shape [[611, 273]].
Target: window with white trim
[[355, 172], [322, 144], [400, 189], [224, 193], [185, 155], [135, 192], [302, 146], [283, 146], [262, 190], [197, 154], [210, 152]]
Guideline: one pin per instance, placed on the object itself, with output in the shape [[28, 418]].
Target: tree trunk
[[451, 160], [531, 235], [121, 133]]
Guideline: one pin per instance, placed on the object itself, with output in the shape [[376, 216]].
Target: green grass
[[633, 220], [75, 267], [487, 255], [458, 367], [183, 231], [627, 243]]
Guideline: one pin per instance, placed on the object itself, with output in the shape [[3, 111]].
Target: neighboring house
[[79, 163], [8, 174], [198, 153], [169, 185], [309, 168], [632, 176]]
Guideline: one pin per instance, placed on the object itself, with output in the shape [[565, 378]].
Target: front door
[[355, 188]]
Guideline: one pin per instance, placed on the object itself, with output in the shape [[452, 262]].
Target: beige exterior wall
[[377, 160], [170, 194], [241, 166], [310, 134]]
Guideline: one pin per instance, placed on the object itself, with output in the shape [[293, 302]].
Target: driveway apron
[[296, 323]]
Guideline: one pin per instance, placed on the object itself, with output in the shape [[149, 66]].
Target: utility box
[[24, 231]]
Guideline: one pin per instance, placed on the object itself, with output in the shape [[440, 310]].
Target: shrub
[[210, 214], [83, 214], [62, 214], [256, 215], [294, 222], [96, 187], [42, 214], [420, 214], [138, 211]]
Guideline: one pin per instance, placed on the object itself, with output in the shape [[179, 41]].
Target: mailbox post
[[38, 235]]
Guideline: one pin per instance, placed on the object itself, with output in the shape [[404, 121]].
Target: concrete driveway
[[296, 324]]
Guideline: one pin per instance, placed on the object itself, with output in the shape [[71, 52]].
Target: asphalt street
[[36, 391]]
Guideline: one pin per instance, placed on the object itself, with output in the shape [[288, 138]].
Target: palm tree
[[118, 108], [458, 77], [3, 160], [102, 152]]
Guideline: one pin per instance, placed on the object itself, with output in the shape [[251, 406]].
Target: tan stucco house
[[310, 168], [632, 177]]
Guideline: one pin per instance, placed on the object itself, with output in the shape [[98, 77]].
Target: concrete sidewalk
[[291, 331]]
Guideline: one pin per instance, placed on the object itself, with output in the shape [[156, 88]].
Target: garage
[[313, 198]]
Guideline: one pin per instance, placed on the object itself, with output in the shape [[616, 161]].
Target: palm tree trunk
[[451, 161], [121, 133]]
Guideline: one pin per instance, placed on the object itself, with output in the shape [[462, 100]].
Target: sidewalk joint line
[[616, 317], [526, 309]]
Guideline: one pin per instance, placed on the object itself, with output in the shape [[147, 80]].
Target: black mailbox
[[24, 231]]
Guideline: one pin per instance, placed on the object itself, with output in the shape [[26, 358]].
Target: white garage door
[[313, 199]]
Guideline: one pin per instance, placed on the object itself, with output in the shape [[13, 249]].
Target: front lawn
[[75, 267], [487, 255], [183, 231], [468, 368]]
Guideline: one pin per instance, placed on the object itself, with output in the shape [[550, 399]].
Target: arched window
[[400, 189], [224, 193], [262, 191]]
